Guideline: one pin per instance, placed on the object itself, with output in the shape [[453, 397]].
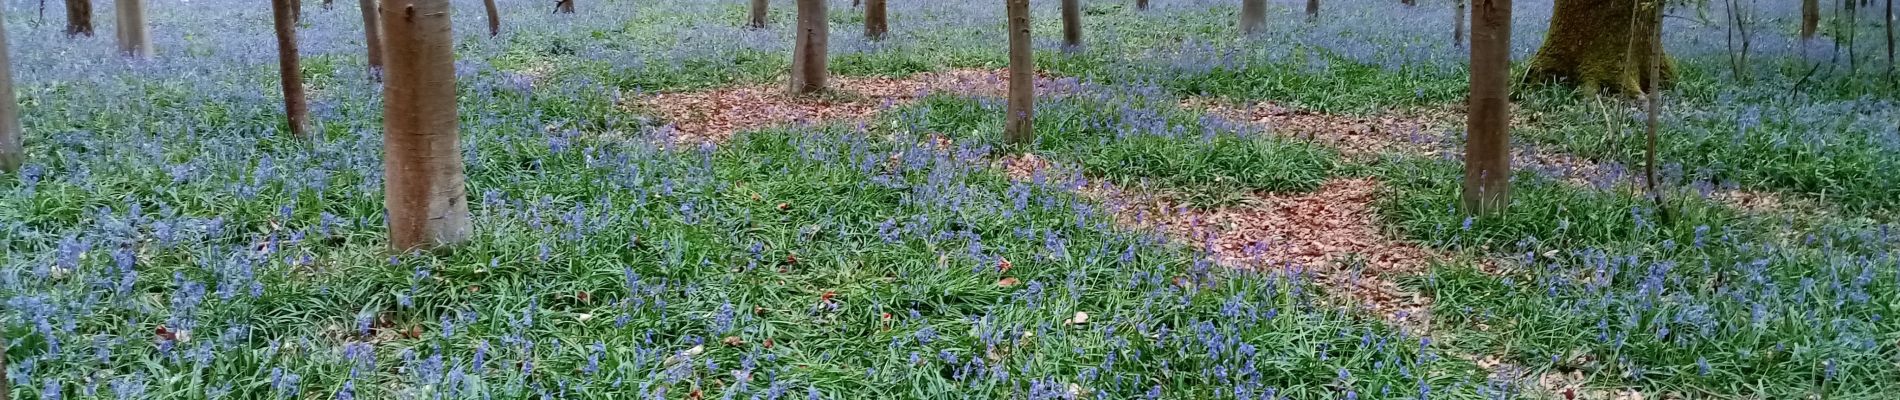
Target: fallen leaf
[[1080, 318], [733, 341], [1007, 282]]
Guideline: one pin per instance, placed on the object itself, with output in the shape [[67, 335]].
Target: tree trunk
[[1253, 15], [1810, 18], [296, 112], [135, 36], [327, 5], [296, 11], [494, 18], [1072, 23], [79, 17], [1589, 45], [1141, 4], [564, 6], [875, 24], [1409, 2], [424, 185], [372, 38], [1312, 10], [1458, 23], [808, 49], [1487, 186], [6, 387], [1888, 21], [11, 152], [1652, 121], [758, 15], [1019, 128]]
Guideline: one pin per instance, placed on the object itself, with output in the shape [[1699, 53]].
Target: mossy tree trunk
[[1591, 45], [1018, 127]]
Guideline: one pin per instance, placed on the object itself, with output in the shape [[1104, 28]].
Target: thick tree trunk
[[11, 152], [1072, 23], [1141, 4], [808, 48], [1810, 18], [296, 112], [424, 183], [1019, 128], [1458, 23], [1487, 185], [372, 38], [296, 11], [494, 18], [875, 24], [135, 36], [1590, 45], [79, 17], [1312, 10], [758, 15], [1253, 15]]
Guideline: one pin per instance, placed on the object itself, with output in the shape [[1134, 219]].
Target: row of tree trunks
[[1253, 16], [1072, 23], [1591, 45], [11, 152], [372, 38], [296, 113], [1487, 178], [1018, 126], [135, 36], [808, 48], [876, 25], [424, 182], [79, 17]]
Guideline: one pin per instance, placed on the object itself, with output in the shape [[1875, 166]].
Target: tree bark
[[1253, 15], [372, 38], [1312, 10], [1019, 128], [1888, 21], [875, 23], [758, 15], [12, 153], [296, 11], [494, 18], [564, 6], [424, 182], [1590, 45], [808, 48], [1652, 122], [1458, 23], [1810, 18], [6, 387], [1141, 4], [79, 17], [1072, 23], [135, 36], [1487, 184], [296, 111], [1409, 2]]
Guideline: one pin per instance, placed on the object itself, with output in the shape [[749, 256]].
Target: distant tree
[[12, 153], [564, 6], [372, 38], [1018, 128], [494, 18], [876, 26], [296, 110], [1312, 10], [1072, 23], [1141, 4], [1810, 18], [135, 36], [1590, 45], [1487, 181], [758, 15], [1409, 2], [808, 48], [1653, 99], [1253, 15], [326, 4], [424, 184], [1458, 23], [78, 17]]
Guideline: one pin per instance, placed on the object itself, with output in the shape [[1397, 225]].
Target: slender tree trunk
[[494, 18], [1458, 23], [1253, 16], [1072, 23], [11, 152], [1810, 18], [564, 6], [758, 15], [1589, 45], [875, 24], [1312, 10], [372, 38], [135, 36], [1141, 4], [424, 182], [79, 17], [808, 48], [6, 387], [1853, 31], [296, 112], [1888, 16], [1487, 185], [1019, 127], [1653, 119]]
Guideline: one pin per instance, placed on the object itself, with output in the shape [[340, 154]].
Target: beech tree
[[78, 17], [135, 36], [1141, 4], [808, 48], [758, 15], [1653, 31], [494, 18], [12, 152], [876, 26], [1018, 126], [1312, 10], [1810, 18], [1458, 23], [1253, 15], [1590, 45], [564, 6], [296, 111], [1487, 181], [372, 38], [1072, 23], [424, 184]]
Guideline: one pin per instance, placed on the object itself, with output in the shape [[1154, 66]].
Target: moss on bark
[[1589, 45]]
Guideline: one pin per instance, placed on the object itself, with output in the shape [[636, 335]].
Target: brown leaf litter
[[714, 115]]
